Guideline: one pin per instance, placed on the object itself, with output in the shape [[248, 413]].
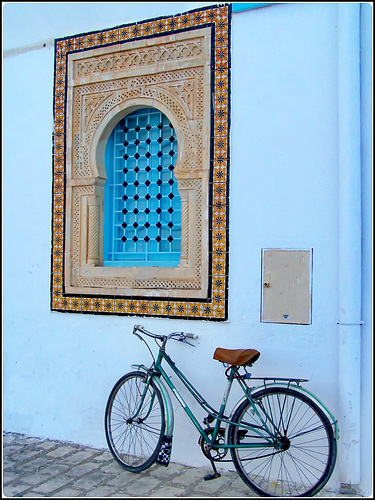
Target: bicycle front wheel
[[135, 422], [302, 454]]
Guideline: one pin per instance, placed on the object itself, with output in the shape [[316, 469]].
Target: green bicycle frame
[[262, 430]]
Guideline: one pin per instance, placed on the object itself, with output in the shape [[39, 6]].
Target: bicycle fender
[[330, 416], [168, 408]]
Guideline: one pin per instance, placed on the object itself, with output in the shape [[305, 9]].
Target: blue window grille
[[142, 205]]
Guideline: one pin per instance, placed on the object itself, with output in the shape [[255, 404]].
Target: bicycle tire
[[134, 440], [303, 456]]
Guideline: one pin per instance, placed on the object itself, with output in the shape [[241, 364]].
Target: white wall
[[59, 368], [367, 247]]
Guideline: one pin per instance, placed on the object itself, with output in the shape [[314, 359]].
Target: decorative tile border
[[216, 306]]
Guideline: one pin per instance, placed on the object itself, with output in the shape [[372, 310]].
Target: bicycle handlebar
[[181, 335]]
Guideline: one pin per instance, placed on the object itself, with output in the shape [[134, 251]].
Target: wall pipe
[[349, 324]]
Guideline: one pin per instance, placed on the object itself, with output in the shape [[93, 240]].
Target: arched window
[[142, 205]]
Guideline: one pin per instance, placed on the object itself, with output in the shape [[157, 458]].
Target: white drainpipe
[[349, 375]]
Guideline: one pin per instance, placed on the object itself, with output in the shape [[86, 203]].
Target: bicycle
[[281, 438]]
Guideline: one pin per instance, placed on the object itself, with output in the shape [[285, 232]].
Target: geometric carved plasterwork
[[180, 66]]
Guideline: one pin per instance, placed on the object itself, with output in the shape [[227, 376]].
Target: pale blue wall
[[59, 368], [367, 242]]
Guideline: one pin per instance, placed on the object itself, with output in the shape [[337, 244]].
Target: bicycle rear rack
[[274, 380]]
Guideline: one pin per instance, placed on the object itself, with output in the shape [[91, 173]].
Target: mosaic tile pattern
[[216, 306]]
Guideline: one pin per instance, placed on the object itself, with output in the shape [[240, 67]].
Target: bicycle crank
[[208, 451]]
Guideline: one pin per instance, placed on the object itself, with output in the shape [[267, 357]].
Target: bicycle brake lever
[[182, 338], [185, 335]]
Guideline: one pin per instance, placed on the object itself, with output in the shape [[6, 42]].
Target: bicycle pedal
[[212, 476]]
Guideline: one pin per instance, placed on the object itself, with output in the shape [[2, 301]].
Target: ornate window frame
[[181, 66]]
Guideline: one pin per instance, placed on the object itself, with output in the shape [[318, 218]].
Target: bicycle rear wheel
[[134, 429], [303, 453]]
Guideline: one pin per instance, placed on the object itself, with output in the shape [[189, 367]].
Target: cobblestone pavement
[[33, 467]]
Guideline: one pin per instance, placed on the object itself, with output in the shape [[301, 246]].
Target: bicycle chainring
[[211, 453]]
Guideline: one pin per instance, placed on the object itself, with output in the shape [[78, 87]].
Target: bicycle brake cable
[[148, 347]]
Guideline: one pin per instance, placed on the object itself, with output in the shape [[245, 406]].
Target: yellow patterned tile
[[109, 305], [193, 310], [72, 303], [220, 172], [182, 21], [218, 311], [219, 219], [218, 285], [160, 26], [219, 193], [147, 28], [158, 308], [142, 307], [120, 306], [125, 33], [88, 304], [101, 38]]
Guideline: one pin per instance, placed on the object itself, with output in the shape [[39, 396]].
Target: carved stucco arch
[[112, 118], [187, 190]]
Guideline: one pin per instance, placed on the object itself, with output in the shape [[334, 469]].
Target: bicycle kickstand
[[215, 474]]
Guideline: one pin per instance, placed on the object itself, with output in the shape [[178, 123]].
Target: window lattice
[[142, 203]]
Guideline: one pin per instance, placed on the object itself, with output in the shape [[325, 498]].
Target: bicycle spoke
[[135, 422], [302, 458]]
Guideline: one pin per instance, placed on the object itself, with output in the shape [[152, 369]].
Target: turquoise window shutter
[[142, 205]]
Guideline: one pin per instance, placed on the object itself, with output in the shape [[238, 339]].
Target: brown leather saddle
[[236, 357]]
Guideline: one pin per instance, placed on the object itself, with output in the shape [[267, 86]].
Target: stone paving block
[[47, 445], [91, 480], [8, 438], [33, 479], [13, 448], [12, 490], [33, 465], [191, 476], [61, 451], [120, 494], [240, 486], [169, 491], [68, 492], [9, 477], [53, 484], [106, 456], [210, 488], [80, 470], [30, 440], [114, 468], [173, 469], [122, 480], [25, 454], [52, 469], [142, 486], [78, 456], [101, 491], [31, 494], [236, 493]]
